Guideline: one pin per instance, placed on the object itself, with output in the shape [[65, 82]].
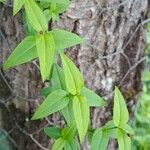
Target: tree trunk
[[113, 54]]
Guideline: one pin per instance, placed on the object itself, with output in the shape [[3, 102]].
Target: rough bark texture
[[112, 55]]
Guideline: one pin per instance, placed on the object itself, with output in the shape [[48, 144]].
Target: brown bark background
[[113, 54]]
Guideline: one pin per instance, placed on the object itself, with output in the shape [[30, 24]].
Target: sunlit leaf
[[92, 98], [72, 145], [100, 140], [81, 115], [46, 50], [74, 79], [64, 39], [124, 141], [24, 52], [55, 101], [59, 144], [120, 111], [17, 5], [36, 16], [128, 129]]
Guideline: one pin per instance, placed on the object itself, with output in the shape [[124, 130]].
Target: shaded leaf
[[58, 78], [62, 5], [68, 132], [53, 132], [46, 91], [24, 52], [67, 113]]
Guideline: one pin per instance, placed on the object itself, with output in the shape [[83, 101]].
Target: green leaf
[[67, 113], [74, 79], [27, 25], [62, 5], [36, 16], [61, 36], [59, 144], [46, 50], [81, 115], [109, 125], [68, 132], [72, 145], [58, 78], [17, 5], [46, 91], [113, 133], [120, 111], [92, 98], [47, 14], [24, 52], [124, 141], [128, 129], [55, 101], [53, 132], [100, 140]]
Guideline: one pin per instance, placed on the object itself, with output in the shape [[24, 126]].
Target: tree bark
[[113, 54]]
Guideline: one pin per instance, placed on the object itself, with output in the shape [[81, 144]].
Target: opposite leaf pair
[[65, 138], [55, 7], [70, 93], [117, 128], [45, 47]]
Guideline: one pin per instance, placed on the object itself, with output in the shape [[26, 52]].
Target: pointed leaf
[[24, 52], [61, 5], [58, 78], [81, 115], [53, 132], [124, 141], [74, 79], [46, 91], [36, 16], [109, 125], [72, 145], [67, 113], [100, 140], [92, 98], [68, 132], [17, 5], [59, 144], [120, 111], [46, 50], [128, 129], [61, 36], [55, 101]]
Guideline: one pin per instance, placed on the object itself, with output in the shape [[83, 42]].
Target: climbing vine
[[67, 93]]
